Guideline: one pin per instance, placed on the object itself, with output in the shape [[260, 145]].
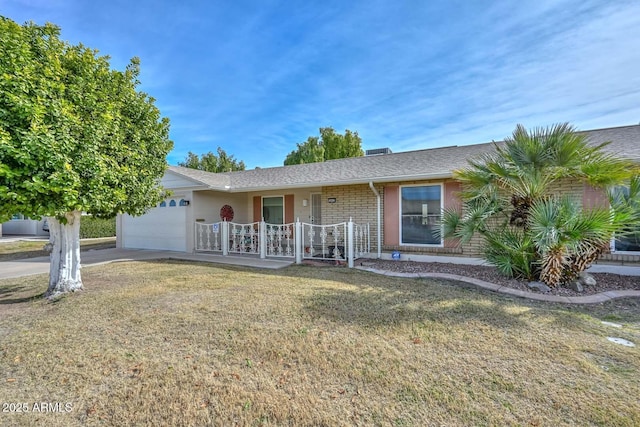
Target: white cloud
[[257, 80]]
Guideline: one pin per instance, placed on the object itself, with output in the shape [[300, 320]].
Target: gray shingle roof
[[208, 179], [625, 140], [433, 163]]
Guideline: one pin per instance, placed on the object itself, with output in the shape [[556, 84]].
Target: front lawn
[[173, 343]]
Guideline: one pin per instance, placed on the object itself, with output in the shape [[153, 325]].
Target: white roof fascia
[[189, 188], [196, 182]]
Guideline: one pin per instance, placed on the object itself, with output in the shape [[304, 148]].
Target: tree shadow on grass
[[409, 302], [374, 300], [35, 297], [20, 293]]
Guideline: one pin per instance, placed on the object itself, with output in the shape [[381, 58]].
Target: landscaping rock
[[575, 286], [586, 279], [606, 281], [539, 286]]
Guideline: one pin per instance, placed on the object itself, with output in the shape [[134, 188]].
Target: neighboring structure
[[400, 196], [19, 225]]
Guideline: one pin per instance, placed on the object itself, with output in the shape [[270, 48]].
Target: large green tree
[[330, 145], [512, 199], [211, 163], [75, 136]]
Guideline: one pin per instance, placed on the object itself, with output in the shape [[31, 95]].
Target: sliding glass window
[[421, 208]]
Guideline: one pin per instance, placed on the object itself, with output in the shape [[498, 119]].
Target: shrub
[[93, 227], [528, 231]]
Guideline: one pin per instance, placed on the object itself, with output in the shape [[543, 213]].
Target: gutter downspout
[[379, 213]]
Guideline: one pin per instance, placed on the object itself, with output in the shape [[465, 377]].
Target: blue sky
[[257, 77]]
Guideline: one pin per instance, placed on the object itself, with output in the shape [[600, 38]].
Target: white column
[[262, 231], [298, 241], [225, 237], [350, 251], [195, 236]]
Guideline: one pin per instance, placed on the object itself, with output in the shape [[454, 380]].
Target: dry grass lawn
[[184, 344]]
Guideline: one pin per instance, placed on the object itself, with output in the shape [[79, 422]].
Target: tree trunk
[[64, 270]]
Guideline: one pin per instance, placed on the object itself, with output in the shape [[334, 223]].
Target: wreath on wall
[[226, 213]]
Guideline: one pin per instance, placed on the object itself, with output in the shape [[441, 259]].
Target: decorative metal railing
[[362, 240], [281, 240], [209, 237], [244, 238], [324, 241], [342, 241]]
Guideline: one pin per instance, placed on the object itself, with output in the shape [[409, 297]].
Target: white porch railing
[[325, 241], [342, 241], [362, 239], [244, 238], [281, 240], [208, 237]]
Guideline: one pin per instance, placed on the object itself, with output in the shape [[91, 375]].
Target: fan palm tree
[[509, 198]]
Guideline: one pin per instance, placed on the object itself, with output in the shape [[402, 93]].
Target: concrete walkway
[[40, 265]]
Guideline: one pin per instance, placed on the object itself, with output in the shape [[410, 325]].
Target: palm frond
[[601, 169], [512, 252], [561, 222], [450, 223], [625, 207], [508, 199]]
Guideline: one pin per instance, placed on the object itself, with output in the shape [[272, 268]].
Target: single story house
[[398, 196]]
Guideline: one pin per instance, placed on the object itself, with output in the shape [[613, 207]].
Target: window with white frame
[[421, 210], [630, 241]]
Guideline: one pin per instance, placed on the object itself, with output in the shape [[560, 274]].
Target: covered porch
[[294, 223], [297, 241]]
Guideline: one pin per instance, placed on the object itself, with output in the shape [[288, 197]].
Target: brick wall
[[352, 201], [619, 259], [359, 202], [571, 187]]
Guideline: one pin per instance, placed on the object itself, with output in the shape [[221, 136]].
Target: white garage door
[[160, 228]]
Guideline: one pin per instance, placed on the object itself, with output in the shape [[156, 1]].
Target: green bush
[[91, 227]]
